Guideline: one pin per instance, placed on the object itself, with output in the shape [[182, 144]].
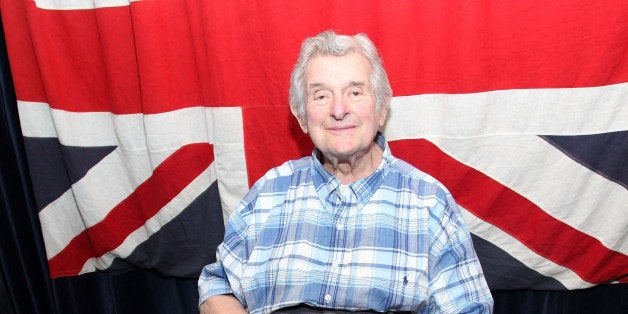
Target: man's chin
[[343, 154]]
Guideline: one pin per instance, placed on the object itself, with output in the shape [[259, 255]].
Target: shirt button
[[328, 297]]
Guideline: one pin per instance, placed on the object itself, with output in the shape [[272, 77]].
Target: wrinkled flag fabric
[[145, 122]]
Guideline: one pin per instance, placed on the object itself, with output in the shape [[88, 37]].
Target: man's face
[[340, 114]]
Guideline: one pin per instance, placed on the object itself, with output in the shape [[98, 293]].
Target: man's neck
[[356, 167]]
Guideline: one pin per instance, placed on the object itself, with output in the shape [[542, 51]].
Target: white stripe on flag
[[567, 111], [154, 224], [80, 4], [230, 160], [133, 132], [61, 223], [36, 119], [544, 175], [104, 186], [522, 253]]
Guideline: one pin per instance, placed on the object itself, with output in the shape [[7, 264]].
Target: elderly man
[[350, 228]]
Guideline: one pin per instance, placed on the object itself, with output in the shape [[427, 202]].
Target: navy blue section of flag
[[183, 245], [606, 153], [502, 270], [54, 168]]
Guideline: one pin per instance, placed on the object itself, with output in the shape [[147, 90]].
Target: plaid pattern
[[394, 241]]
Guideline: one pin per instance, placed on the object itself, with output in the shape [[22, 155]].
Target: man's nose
[[339, 108]]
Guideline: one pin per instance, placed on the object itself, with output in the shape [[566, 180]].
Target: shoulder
[[407, 174], [278, 180], [404, 178], [284, 171], [269, 191]]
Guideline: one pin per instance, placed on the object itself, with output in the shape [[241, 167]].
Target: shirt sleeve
[[456, 283], [212, 281], [223, 276], [241, 235]]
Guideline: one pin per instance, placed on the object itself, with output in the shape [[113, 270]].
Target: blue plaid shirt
[[393, 241]]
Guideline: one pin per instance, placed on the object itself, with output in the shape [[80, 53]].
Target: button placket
[[342, 202]]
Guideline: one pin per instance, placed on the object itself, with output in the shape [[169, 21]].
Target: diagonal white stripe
[[560, 186], [90, 199], [62, 224], [512, 246], [154, 224]]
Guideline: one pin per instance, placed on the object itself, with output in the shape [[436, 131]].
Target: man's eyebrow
[[351, 84], [357, 84], [315, 85]]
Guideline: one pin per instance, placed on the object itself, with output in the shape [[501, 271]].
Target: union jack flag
[[145, 122]]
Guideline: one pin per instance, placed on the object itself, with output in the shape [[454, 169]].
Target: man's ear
[[383, 114], [300, 119]]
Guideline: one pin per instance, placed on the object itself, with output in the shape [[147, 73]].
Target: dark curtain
[[25, 286], [22, 257]]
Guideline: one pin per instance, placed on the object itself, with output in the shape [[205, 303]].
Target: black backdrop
[[25, 286]]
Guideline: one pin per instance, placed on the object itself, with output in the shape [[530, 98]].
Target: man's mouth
[[341, 127]]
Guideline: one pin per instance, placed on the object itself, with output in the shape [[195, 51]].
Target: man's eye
[[355, 92], [320, 97]]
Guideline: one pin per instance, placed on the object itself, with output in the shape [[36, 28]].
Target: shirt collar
[[325, 183]]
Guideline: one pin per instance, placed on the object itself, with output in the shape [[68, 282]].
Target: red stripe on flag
[[167, 181], [157, 56], [22, 57], [269, 144], [497, 204]]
